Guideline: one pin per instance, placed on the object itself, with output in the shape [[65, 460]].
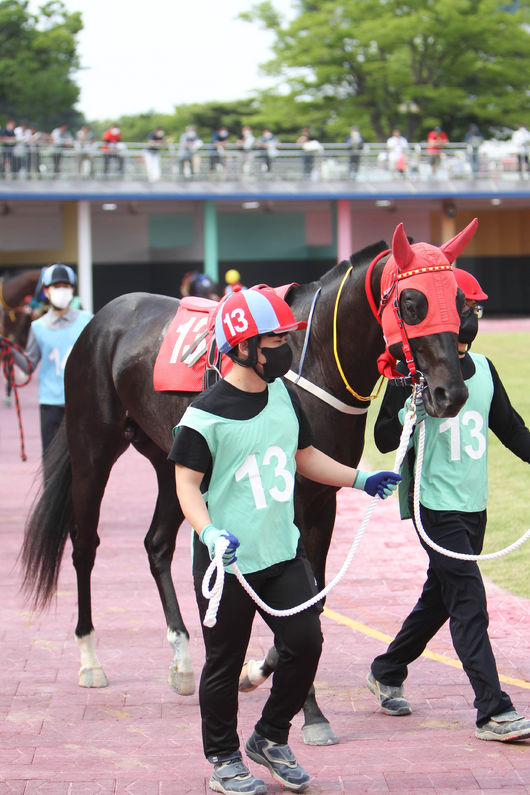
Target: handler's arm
[[191, 500], [316, 465]]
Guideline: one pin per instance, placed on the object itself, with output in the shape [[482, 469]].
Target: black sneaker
[[279, 759], [390, 697], [233, 775], [509, 725]]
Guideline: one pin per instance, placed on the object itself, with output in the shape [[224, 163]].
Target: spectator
[[61, 139], [397, 146], [218, 142], [473, 141], [20, 150], [7, 134], [521, 142], [268, 143], [354, 142], [188, 154], [84, 144], [436, 141], [50, 341], [310, 146], [35, 141], [246, 144], [155, 141], [111, 148]]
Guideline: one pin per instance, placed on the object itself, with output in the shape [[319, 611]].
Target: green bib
[[252, 480], [455, 459]]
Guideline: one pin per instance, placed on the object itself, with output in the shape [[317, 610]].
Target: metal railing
[[290, 162]]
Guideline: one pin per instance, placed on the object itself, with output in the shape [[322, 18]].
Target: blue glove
[[381, 483], [209, 536]]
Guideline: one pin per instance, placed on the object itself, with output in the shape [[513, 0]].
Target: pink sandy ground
[[138, 737]]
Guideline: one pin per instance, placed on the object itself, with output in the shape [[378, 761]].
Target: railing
[[290, 162]]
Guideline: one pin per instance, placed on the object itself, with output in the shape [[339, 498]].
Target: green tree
[[37, 60], [385, 63]]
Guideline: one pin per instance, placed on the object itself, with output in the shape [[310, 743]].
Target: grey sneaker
[[390, 698], [509, 725], [280, 761], [233, 775]]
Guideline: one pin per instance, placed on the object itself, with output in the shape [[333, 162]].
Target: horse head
[[420, 315]]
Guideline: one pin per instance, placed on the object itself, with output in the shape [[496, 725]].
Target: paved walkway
[[137, 737]]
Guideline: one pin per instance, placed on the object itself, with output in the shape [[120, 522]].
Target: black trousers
[[453, 590], [50, 419], [297, 638]]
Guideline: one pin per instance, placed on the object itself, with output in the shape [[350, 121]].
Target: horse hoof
[[7, 401], [92, 677], [182, 683], [319, 734], [251, 676]]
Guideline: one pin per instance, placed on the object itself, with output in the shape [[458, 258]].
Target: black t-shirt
[[225, 400]]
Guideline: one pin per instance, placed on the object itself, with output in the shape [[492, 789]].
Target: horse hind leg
[[160, 546], [92, 462]]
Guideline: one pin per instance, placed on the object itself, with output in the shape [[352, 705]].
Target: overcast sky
[[155, 55]]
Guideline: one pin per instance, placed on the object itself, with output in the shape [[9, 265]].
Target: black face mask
[[277, 362], [468, 327]]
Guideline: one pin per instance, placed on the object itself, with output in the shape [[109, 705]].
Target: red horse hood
[[428, 269]]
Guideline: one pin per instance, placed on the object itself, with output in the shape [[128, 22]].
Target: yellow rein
[[350, 389], [9, 309]]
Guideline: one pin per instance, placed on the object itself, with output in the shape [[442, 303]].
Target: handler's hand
[[382, 483], [210, 535]]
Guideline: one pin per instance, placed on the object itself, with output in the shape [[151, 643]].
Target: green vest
[[252, 480], [455, 458]]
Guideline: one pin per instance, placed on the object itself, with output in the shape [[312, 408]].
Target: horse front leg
[[160, 546]]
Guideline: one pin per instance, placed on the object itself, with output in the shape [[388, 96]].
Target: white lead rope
[[216, 566]]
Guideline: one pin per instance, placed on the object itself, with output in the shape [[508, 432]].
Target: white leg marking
[[181, 676], [91, 673]]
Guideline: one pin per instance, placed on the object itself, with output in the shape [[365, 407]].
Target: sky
[[139, 57]]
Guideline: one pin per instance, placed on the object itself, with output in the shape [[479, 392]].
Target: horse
[[15, 316], [116, 352]]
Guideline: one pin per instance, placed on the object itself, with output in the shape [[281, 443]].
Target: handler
[[236, 450], [50, 341], [453, 499]]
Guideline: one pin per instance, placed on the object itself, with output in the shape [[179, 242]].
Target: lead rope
[[8, 366], [216, 566]]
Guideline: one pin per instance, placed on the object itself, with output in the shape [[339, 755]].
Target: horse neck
[[359, 335], [17, 288]]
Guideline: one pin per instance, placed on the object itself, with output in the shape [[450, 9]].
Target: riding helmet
[[58, 274], [248, 313]]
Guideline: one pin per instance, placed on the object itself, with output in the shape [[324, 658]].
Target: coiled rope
[[216, 566], [8, 368]]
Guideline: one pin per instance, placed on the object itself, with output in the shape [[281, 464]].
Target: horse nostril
[[449, 401]]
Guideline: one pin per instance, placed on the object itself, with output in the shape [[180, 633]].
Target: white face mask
[[60, 297]]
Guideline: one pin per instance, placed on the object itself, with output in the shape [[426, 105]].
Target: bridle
[[392, 290]]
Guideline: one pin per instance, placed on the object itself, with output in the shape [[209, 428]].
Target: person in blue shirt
[[236, 451], [453, 498], [50, 341]]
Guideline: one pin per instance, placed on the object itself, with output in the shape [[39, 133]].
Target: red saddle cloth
[[182, 358]]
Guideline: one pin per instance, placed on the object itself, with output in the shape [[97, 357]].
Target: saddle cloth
[[189, 344]]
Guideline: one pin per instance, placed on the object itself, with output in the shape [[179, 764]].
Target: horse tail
[[50, 521]]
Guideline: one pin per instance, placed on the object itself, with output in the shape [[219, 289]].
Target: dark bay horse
[[115, 354], [15, 315]]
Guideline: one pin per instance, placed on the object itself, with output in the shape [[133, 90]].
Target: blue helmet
[[58, 274]]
